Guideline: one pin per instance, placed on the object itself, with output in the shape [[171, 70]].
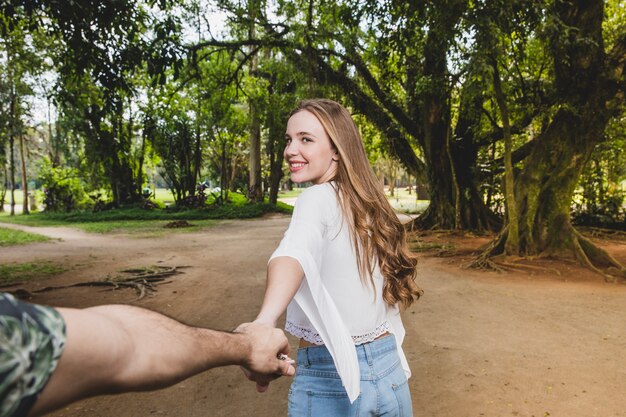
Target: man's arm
[[118, 348]]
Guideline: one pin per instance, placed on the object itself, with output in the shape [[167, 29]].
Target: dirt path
[[479, 344]]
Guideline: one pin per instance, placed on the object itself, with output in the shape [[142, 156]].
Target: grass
[[404, 202], [14, 273], [133, 219], [10, 237], [144, 227], [290, 194], [19, 197]]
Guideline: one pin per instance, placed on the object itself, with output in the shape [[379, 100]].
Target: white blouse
[[333, 306]]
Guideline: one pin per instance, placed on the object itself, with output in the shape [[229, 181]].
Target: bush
[[63, 190]]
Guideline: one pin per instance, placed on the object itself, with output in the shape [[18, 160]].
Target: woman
[[342, 270]]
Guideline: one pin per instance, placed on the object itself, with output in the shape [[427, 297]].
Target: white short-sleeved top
[[333, 306]]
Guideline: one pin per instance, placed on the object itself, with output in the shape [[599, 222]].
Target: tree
[[589, 83], [378, 69], [23, 62]]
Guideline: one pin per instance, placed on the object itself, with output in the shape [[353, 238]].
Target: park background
[[141, 145]]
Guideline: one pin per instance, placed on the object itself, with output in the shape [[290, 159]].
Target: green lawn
[[14, 273], [10, 237], [402, 201], [290, 194], [132, 219], [19, 197]]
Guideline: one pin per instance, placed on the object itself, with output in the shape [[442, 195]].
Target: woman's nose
[[291, 149]]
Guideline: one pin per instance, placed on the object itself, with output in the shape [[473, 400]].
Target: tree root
[[142, 280], [519, 266], [484, 260], [584, 251], [598, 232], [588, 253], [485, 263]]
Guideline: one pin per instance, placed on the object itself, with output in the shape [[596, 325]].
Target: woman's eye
[[305, 139], [287, 141]]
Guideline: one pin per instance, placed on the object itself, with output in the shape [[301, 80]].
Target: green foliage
[[239, 208], [10, 237], [63, 189], [20, 272], [417, 76], [173, 139], [601, 197]]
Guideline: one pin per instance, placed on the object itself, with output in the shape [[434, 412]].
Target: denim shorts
[[316, 390]]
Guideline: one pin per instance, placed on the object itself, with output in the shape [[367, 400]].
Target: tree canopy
[[509, 113]]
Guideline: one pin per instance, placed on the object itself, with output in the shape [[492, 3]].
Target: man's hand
[[266, 345]]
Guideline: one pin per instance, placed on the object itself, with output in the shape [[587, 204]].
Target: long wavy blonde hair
[[377, 234]]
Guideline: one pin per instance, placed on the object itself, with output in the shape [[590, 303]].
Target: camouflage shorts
[[31, 342]]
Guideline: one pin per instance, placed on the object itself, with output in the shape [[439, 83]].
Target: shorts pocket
[[331, 404], [403, 397]]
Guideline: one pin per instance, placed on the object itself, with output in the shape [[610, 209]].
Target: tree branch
[[398, 113], [399, 146]]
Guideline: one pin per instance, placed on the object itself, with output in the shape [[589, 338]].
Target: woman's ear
[[336, 156]]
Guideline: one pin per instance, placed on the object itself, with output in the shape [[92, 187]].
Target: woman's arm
[[284, 277]]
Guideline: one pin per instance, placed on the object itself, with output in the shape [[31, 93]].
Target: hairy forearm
[[284, 276], [163, 351], [117, 348]]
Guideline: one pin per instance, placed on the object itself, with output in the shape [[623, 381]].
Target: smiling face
[[309, 152]]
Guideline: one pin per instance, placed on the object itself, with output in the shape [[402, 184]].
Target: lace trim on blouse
[[312, 337]]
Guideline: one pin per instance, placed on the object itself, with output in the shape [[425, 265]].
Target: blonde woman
[[341, 271]]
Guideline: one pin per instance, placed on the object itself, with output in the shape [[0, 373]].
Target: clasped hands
[[267, 358]]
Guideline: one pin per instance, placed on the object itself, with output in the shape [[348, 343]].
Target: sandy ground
[[479, 343]]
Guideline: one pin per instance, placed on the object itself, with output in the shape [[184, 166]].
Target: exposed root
[[588, 253], [598, 232], [486, 263], [485, 259], [520, 266], [142, 280], [585, 252]]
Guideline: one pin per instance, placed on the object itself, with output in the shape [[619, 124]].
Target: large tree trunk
[[455, 202], [545, 188]]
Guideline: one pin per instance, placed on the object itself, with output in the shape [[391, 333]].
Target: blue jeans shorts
[[316, 390]]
